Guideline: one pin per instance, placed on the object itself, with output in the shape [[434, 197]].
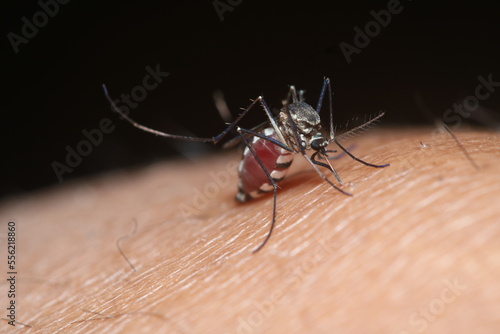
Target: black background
[[52, 87]]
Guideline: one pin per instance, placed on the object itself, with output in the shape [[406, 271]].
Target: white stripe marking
[[268, 132], [266, 187], [278, 174], [246, 151], [285, 158], [240, 197], [255, 194]]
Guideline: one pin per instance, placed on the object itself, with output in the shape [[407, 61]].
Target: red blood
[[251, 174]]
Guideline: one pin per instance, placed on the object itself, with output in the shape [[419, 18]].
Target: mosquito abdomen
[[253, 180]]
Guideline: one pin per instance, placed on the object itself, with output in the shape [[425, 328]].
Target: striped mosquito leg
[[275, 187]]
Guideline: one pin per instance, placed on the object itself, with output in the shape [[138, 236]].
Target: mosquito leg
[[327, 85], [326, 82], [275, 186], [327, 166], [313, 164], [213, 140], [357, 159], [144, 128], [338, 156], [260, 135], [271, 118], [335, 157]]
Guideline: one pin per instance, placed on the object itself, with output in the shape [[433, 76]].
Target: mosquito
[[271, 146]]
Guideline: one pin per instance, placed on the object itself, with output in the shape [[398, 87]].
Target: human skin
[[415, 249]]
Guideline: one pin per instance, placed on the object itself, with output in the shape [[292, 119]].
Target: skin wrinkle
[[305, 210], [388, 254]]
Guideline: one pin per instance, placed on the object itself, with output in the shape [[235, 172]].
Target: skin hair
[[414, 250]]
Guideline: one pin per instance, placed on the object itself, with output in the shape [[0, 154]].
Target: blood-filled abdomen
[[253, 180]]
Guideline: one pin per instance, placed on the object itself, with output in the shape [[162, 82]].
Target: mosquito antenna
[[363, 127]]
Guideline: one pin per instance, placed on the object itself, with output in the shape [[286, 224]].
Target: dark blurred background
[[52, 85]]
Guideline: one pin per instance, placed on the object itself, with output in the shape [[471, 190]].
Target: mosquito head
[[318, 142], [307, 124]]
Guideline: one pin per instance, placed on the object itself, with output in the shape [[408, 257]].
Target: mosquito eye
[[316, 144]]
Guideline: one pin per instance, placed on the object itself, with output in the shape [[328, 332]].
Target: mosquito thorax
[[307, 123]]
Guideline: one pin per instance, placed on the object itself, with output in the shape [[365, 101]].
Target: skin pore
[[415, 250]]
